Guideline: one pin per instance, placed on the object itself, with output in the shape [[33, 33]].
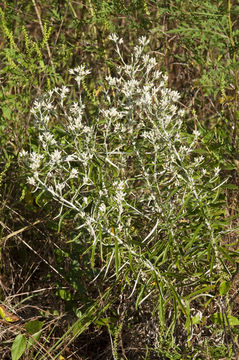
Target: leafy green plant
[[23, 342], [198, 41], [147, 202]]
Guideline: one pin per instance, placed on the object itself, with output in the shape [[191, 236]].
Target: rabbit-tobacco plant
[[145, 201]]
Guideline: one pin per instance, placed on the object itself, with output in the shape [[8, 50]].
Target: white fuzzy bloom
[[86, 180], [86, 130], [59, 187], [50, 93], [35, 160], [119, 196], [102, 208], [37, 105], [216, 171], [56, 157], [165, 78], [80, 71], [23, 153], [173, 109], [64, 90], [49, 106], [112, 113], [73, 173], [146, 99], [164, 102], [111, 80], [31, 181], [47, 139], [175, 96], [196, 133], [143, 41], [130, 87], [113, 37], [138, 52], [151, 64], [157, 75], [71, 157], [77, 124], [76, 108], [181, 112]]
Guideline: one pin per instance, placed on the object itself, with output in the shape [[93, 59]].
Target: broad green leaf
[[7, 112], [197, 319], [217, 318], [64, 294], [18, 347], [33, 328], [224, 287], [233, 320]]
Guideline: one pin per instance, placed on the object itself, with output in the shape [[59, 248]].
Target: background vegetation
[[46, 273]]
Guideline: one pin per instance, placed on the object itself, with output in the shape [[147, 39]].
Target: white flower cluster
[[132, 163]]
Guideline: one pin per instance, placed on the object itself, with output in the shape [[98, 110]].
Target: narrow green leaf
[[92, 257], [178, 300], [116, 257], [139, 296], [200, 292], [230, 187]]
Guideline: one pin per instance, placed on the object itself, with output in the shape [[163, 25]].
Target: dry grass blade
[[14, 233]]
